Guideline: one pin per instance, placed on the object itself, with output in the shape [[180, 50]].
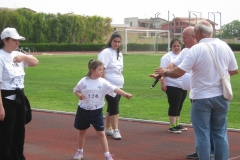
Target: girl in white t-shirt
[[91, 91], [112, 59]]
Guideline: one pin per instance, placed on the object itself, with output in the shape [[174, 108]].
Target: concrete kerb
[[125, 119]]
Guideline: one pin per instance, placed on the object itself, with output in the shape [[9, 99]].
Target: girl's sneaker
[[79, 155], [116, 134], [109, 157], [109, 132]]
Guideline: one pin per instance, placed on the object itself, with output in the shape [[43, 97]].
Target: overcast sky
[[118, 10]]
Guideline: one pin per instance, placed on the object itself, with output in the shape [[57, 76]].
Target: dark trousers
[[12, 131], [113, 104], [176, 97]]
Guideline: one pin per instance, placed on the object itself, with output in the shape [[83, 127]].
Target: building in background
[[177, 25], [152, 23], [117, 27]]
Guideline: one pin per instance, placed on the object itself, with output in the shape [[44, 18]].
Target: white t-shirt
[[205, 79], [165, 60], [113, 66], [94, 91], [11, 74], [186, 76], [180, 57]]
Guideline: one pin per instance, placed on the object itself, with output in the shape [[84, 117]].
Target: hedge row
[[235, 47], [146, 47], [49, 47]]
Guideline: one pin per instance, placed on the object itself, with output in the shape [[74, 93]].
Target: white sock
[[108, 128], [106, 154], [80, 150]]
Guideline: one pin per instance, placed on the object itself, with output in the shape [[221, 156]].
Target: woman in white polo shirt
[[113, 66], [12, 98], [173, 88]]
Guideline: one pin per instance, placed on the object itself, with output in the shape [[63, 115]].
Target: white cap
[[12, 33]]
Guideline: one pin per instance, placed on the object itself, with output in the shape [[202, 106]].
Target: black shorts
[[113, 104], [84, 118]]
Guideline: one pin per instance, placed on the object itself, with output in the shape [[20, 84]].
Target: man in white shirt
[[189, 40], [210, 108]]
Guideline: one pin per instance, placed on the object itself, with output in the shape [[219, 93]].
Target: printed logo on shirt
[[84, 86], [15, 65]]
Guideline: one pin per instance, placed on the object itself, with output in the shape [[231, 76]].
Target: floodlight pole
[[155, 19], [168, 41], [174, 26], [196, 18], [214, 25], [168, 20], [168, 49], [220, 24], [156, 46], [214, 21], [189, 15]]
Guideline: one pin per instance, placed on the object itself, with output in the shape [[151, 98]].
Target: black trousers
[[12, 131], [113, 104], [176, 97]]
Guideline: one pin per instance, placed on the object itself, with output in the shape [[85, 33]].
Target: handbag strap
[[216, 64]]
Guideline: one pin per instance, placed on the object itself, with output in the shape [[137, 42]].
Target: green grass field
[[50, 86]]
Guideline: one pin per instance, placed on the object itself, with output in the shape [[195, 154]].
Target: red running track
[[52, 136]]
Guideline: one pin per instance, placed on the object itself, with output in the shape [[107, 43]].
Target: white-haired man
[[209, 108]]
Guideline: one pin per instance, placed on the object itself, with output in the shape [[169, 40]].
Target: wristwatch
[[165, 73]]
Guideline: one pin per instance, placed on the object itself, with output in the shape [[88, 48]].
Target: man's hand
[[160, 71]]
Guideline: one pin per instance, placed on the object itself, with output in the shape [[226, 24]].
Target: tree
[[27, 22], [231, 30], [78, 30], [107, 28], [66, 27], [56, 28], [53, 28], [39, 26], [4, 18]]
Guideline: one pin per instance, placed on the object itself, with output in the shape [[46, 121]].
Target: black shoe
[[174, 130], [181, 128], [192, 156]]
